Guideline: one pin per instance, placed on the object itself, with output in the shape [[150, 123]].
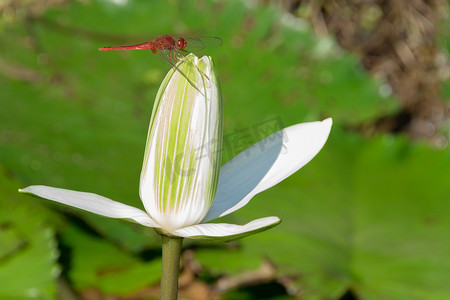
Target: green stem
[[171, 250]]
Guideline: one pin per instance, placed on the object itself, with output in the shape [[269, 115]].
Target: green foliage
[[366, 215], [28, 251], [98, 264]]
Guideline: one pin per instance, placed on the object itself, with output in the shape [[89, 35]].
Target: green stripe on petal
[[182, 157]]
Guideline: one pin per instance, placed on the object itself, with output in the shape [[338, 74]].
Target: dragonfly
[[171, 50]]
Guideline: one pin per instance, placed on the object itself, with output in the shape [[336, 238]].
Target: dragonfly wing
[[164, 55], [195, 44]]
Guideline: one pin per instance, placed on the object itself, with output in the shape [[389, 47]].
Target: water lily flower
[[182, 185]]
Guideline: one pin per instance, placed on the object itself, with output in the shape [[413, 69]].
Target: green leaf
[[28, 251], [95, 263], [221, 259]]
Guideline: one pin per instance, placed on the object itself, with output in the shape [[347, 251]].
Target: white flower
[[182, 185]]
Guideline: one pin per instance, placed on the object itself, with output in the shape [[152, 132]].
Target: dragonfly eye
[[181, 44]]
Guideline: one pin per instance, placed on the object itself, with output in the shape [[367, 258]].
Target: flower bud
[[183, 151]]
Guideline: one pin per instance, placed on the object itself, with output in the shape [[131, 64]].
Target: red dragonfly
[[171, 50]]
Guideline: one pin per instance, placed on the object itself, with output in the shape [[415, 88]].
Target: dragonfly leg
[[181, 54], [172, 56]]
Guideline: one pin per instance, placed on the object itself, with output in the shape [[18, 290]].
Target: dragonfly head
[[181, 44]]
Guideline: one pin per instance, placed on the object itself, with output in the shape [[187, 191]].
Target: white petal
[[225, 232], [91, 202], [265, 164]]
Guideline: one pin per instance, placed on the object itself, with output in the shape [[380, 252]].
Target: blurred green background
[[368, 218]]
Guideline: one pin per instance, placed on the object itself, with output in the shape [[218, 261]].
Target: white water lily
[[182, 185]]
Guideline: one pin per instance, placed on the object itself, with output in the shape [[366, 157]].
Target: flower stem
[[171, 250]]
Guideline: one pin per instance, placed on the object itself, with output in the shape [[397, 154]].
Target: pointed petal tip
[[33, 190], [328, 121], [27, 190]]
